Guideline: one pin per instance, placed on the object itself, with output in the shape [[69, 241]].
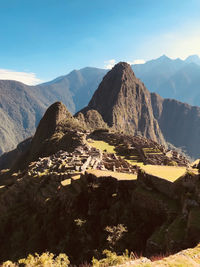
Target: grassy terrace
[[101, 145], [170, 173]]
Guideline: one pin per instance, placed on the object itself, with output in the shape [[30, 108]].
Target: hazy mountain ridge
[[170, 78], [22, 106]]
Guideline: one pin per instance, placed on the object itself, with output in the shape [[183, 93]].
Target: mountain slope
[[20, 111], [124, 103], [179, 123], [22, 106], [76, 88]]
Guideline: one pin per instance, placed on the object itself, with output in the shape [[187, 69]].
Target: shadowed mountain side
[[91, 120], [179, 122], [124, 103], [8, 159], [20, 111], [57, 130]]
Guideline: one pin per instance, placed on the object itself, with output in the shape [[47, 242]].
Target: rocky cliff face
[[179, 123], [125, 104]]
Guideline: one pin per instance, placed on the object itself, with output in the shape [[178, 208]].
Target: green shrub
[[111, 259], [44, 260]]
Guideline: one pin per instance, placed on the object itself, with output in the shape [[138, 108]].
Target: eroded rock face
[[124, 103], [179, 123], [52, 117], [92, 119]]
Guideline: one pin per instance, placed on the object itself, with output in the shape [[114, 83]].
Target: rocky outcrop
[[55, 114], [125, 104], [92, 120], [179, 123], [57, 130]]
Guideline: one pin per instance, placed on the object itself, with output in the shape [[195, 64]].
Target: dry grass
[[117, 175], [101, 145], [169, 173]]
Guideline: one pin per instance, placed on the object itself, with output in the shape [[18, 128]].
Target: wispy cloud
[[137, 61], [24, 77], [109, 63]]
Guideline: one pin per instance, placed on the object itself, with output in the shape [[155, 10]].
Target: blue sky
[[43, 39]]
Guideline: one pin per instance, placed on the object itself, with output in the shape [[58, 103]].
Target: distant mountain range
[[178, 79], [22, 106]]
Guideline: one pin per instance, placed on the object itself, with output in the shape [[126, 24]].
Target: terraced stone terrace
[[137, 150], [70, 166], [170, 173], [116, 175], [116, 156]]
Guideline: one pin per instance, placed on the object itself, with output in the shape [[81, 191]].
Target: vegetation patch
[[44, 260], [101, 145]]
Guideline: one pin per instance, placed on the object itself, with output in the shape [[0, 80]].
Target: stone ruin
[[146, 150], [84, 157]]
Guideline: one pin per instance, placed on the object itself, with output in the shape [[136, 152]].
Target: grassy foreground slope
[[185, 258]]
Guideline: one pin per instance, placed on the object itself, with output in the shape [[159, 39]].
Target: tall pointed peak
[[163, 58], [120, 68], [119, 77], [124, 103]]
